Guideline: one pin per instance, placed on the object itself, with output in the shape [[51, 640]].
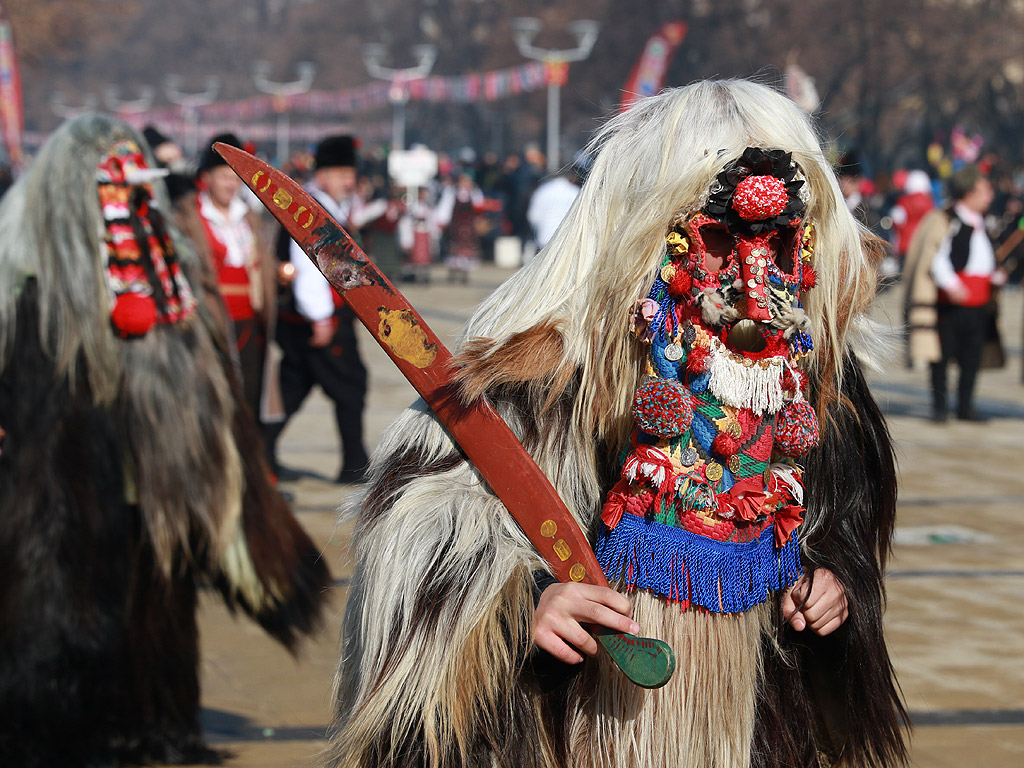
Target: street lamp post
[[281, 91], [398, 93], [133, 106], [190, 104], [524, 31], [66, 112]]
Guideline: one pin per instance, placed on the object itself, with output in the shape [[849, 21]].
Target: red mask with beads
[[143, 275], [705, 510]]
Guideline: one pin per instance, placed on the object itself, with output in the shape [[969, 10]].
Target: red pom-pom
[[796, 429], [133, 314], [810, 278], [760, 197], [697, 360], [663, 407], [725, 445], [681, 284]]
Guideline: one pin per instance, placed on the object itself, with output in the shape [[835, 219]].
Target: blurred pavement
[[954, 619]]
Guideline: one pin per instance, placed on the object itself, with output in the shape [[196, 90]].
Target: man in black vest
[[315, 328], [963, 269]]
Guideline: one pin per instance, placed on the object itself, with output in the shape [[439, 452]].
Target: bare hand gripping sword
[[479, 431]]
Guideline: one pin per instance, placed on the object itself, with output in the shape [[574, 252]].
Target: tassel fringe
[[746, 386], [722, 577]]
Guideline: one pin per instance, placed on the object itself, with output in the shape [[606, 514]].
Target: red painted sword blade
[[478, 430]]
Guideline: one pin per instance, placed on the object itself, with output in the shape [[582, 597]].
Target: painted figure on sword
[[131, 473]]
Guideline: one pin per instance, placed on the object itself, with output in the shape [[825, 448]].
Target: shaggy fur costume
[[129, 478], [437, 666]]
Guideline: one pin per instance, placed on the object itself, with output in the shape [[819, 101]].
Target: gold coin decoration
[[667, 273], [734, 463], [713, 472], [548, 529], [562, 550], [577, 572], [733, 429]]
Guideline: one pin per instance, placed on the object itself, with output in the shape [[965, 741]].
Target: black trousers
[[340, 373], [962, 334], [251, 343]]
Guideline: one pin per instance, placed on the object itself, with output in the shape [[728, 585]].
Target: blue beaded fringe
[[722, 577]]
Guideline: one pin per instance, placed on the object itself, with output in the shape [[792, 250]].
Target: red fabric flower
[[621, 500], [787, 518], [760, 197], [810, 278], [748, 497]]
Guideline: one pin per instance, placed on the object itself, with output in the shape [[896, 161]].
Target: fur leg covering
[[704, 716], [439, 618]]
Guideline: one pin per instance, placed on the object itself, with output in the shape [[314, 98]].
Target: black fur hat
[[210, 158], [336, 151], [153, 136]]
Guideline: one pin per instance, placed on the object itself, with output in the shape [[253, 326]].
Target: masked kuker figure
[[130, 473], [683, 361]]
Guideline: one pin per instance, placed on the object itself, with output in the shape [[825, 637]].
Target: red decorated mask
[[709, 498], [745, 258], [142, 270]]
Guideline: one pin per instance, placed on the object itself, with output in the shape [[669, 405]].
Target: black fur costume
[[98, 639]]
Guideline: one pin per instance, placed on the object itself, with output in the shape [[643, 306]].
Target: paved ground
[[955, 626]]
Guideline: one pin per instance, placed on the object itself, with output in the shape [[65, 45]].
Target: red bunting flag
[[11, 115], [649, 73]]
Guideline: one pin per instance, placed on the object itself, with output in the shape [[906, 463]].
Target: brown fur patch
[[534, 357]]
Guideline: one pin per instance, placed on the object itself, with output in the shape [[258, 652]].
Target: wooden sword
[[478, 430]]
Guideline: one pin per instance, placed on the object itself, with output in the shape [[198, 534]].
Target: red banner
[[11, 116], [649, 73]]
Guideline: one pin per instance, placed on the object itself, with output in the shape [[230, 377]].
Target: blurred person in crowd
[[854, 186], [857, 190], [951, 269], [522, 174], [179, 179], [315, 328], [130, 475], [381, 207], [623, 356], [419, 234], [223, 229], [914, 201], [551, 201], [458, 211], [1009, 237], [490, 174]]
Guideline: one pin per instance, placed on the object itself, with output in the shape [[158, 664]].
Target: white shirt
[[548, 206], [980, 262], [232, 229], [314, 297]]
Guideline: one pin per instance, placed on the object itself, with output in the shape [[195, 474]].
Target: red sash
[[979, 291]]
